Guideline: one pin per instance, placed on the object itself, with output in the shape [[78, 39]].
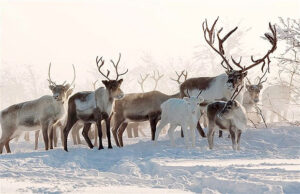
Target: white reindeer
[[42, 113], [229, 115], [180, 112], [276, 101]]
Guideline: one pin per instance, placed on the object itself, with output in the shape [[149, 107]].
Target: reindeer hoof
[[66, 149], [100, 148], [110, 147]]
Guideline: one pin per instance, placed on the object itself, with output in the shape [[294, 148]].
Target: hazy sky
[[69, 32]]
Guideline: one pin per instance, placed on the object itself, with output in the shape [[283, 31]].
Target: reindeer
[[137, 107], [33, 115], [95, 106], [250, 100], [134, 126], [223, 86], [180, 112], [276, 100], [93, 134], [229, 115]]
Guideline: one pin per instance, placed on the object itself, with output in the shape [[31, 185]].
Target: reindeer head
[[254, 89], [112, 86], [60, 92], [235, 77], [231, 106], [194, 104]]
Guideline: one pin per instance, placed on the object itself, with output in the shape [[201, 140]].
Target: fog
[[151, 35]]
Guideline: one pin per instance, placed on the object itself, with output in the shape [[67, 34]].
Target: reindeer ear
[[245, 73], [105, 82], [247, 86], [260, 86], [67, 87], [201, 99], [69, 92], [120, 81], [51, 87]]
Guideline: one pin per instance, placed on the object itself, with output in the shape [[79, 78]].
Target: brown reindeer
[[134, 126], [223, 86], [137, 107], [95, 106]]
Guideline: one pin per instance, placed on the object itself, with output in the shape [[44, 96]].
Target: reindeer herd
[[223, 101]]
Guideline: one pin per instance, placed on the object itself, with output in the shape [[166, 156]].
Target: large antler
[[156, 79], [101, 61], [143, 79], [211, 39], [273, 40], [49, 77], [116, 67], [183, 74]]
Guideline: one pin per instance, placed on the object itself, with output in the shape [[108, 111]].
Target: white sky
[[69, 32]]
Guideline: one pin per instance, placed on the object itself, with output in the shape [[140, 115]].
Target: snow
[[269, 162]]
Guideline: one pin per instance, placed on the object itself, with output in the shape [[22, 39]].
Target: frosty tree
[[289, 64]]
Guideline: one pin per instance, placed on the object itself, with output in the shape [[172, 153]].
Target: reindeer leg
[[200, 130], [71, 121], [74, 135], [7, 147], [99, 126], [36, 139], [211, 131], [45, 128], [117, 124], [51, 137], [160, 126], [181, 132], [129, 131], [120, 133], [107, 123], [136, 130], [85, 133], [55, 136], [26, 136], [5, 138], [220, 133], [171, 134], [232, 134], [104, 134], [238, 139], [153, 123], [96, 135]]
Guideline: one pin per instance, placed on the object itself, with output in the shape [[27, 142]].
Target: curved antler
[[116, 67], [74, 75], [266, 59], [98, 60], [211, 39], [49, 77]]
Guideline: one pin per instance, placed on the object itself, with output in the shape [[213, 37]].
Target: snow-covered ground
[[269, 162]]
